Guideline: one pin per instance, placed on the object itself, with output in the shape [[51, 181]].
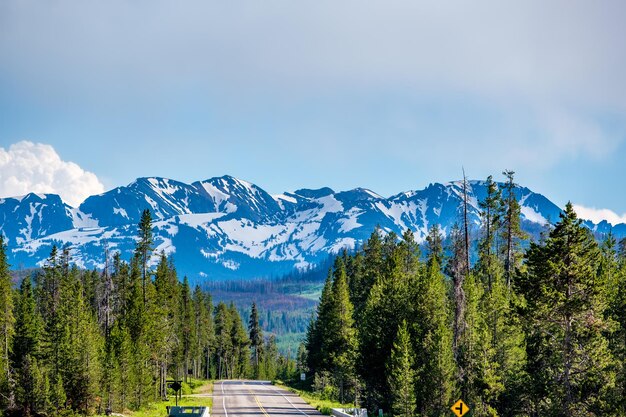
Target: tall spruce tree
[[390, 301], [48, 295], [466, 225], [511, 228], [240, 342], [209, 341], [433, 342], [143, 248], [472, 345], [224, 343], [503, 353], [270, 358], [26, 349], [456, 268], [434, 245], [370, 265], [166, 316], [401, 374], [82, 345], [205, 333], [256, 338], [187, 329], [569, 358], [343, 342], [491, 216], [318, 331]]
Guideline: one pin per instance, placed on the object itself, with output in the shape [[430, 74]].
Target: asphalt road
[[257, 399]]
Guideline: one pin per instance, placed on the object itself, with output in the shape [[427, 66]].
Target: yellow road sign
[[459, 408]]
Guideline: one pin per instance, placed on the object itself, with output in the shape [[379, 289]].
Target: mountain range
[[226, 228]]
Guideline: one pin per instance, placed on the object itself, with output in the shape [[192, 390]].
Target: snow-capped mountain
[[225, 228]]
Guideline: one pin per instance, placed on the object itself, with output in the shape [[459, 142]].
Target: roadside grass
[[158, 409], [322, 405]]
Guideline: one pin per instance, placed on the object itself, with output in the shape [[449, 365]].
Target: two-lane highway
[[257, 399]]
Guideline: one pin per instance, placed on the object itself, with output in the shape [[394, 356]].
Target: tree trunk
[[208, 363], [509, 245], [466, 226]]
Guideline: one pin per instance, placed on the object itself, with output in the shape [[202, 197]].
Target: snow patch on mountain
[[532, 215], [351, 222], [226, 228]]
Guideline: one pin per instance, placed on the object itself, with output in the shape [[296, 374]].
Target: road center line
[[257, 400]]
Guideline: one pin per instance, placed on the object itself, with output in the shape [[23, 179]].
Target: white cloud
[[35, 167], [597, 215]]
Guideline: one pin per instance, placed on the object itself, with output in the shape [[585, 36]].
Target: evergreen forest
[[511, 327], [78, 342]]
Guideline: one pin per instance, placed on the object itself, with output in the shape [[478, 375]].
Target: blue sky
[[388, 95]]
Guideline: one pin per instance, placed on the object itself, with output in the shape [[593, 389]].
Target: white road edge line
[[287, 398], [224, 400]]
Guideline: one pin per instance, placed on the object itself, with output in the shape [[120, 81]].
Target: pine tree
[[433, 341], [270, 358], [210, 338], [434, 245], [240, 343], [456, 268], [27, 348], [224, 343], [511, 228], [187, 328], [204, 333], [165, 312], [143, 249], [569, 360], [122, 346], [370, 266], [503, 353], [317, 333], [390, 301], [110, 374], [401, 374], [78, 354], [256, 338], [491, 216], [48, 295], [466, 238], [343, 342], [56, 392], [32, 390], [135, 322], [7, 321], [472, 348]]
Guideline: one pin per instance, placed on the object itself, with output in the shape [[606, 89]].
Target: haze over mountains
[[226, 228]]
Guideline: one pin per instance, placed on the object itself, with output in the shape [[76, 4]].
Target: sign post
[[176, 386]]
